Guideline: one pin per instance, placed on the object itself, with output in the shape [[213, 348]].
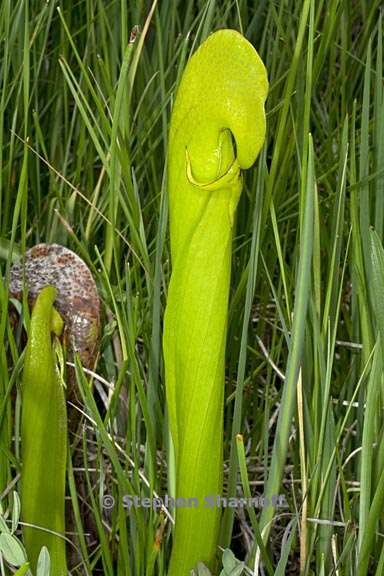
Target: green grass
[[85, 103]]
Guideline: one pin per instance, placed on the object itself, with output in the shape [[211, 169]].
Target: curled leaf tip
[[222, 92], [217, 125]]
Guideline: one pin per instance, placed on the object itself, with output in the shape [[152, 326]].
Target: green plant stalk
[[43, 439], [220, 99]]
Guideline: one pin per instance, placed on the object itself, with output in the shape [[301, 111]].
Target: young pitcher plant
[[65, 304], [217, 130], [44, 439]]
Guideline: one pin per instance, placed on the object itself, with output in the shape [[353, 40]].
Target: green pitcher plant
[[217, 130], [65, 304], [44, 439]]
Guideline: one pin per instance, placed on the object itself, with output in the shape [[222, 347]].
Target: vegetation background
[[86, 93]]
